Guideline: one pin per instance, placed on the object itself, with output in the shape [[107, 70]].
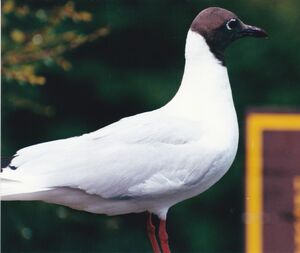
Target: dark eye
[[231, 24]]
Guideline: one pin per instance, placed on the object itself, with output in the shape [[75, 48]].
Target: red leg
[[151, 234], [163, 236]]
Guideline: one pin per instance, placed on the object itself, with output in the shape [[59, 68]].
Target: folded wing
[[124, 160]]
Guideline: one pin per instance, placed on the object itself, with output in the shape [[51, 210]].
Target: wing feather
[[125, 159]]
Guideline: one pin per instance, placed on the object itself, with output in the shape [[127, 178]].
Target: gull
[[150, 161]]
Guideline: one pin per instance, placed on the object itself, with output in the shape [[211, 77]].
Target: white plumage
[[150, 161], [147, 162]]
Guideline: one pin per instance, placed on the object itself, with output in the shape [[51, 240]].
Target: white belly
[[220, 147]]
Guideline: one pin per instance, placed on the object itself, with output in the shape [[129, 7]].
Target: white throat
[[205, 87], [197, 48]]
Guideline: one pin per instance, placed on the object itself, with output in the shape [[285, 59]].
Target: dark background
[[138, 67]]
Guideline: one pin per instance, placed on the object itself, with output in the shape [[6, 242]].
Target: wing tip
[[6, 163]]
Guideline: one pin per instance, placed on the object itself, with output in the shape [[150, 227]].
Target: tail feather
[[15, 190]]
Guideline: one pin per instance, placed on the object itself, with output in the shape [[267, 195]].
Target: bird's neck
[[205, 82]]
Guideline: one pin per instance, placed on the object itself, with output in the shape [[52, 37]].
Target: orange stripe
[[255, 125]]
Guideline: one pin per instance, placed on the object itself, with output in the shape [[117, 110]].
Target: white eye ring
[[228, 24]]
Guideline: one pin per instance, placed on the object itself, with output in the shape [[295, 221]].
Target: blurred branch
[[25, 103], [25, 50], [68, 42]]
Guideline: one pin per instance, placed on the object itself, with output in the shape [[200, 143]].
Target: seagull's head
[[220, 27]]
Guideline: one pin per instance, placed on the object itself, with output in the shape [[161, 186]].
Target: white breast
[[205, 96]]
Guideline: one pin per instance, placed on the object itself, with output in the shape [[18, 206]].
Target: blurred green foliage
[[135, 66]]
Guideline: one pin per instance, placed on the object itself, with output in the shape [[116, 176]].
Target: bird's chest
[[216, 153]]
